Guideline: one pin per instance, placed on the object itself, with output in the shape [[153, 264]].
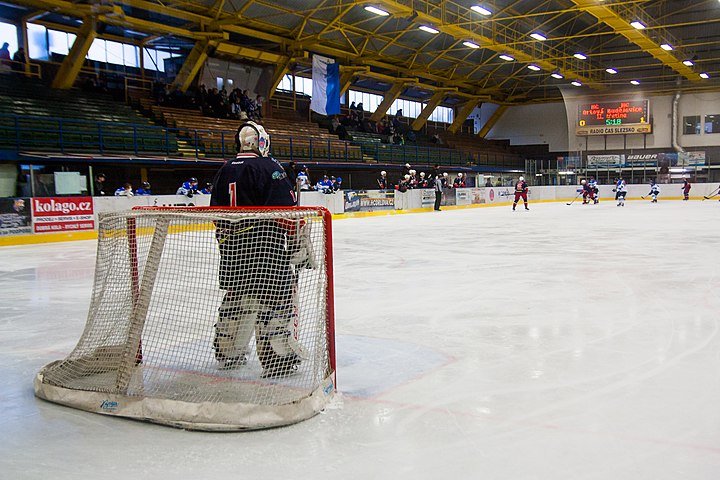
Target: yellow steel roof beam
[[459, 32], [621, 25]]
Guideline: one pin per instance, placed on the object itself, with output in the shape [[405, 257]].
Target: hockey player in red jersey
[[686, 189], [588, 192], [521, 191]]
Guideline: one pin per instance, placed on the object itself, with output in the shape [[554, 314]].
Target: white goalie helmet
[[252, 137]]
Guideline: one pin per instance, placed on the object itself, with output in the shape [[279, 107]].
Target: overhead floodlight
[[481, 10], [557, 75], [534, 68], [611, 71], [470, 44], [507, 58], [576, 83], [704, 75], [376, 11], [667, 47], [538, 36], [688, 63], [580, 56], [638, 24], [427, 29], [635, 82]]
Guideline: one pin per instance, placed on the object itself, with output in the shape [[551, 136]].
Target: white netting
[[205, 318]]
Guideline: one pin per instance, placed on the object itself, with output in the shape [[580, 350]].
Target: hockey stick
[[573, 200], [717, 191]]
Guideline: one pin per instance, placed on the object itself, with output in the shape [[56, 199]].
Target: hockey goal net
[[205, 318]]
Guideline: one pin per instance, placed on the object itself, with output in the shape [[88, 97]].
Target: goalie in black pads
[[259, 259]]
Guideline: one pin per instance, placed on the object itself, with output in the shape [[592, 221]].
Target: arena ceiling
[[458, 50]]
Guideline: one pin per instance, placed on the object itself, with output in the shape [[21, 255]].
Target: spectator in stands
[[488, 182], [258, 106], [334, 124], [207, 190], [383, 182], [100, 185], [19, 60], [5, 55], [459, 181], [124, 191], [398, 138], [352, 106], [188, 188], [499, 182], [144, 189], [411, 136]]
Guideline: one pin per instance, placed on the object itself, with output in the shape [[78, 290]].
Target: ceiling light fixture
[[481, 10], [688, 63], [470, 44], [576, 83], [611, 71], [557, 75], [667, 47], [638, 24], [507, 58], [580, 56], [634, 82], [534, 68], [704, 75], [427, 29], [376, 11], [538, 36]]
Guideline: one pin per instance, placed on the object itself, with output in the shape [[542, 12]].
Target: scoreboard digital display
[[614, 118]]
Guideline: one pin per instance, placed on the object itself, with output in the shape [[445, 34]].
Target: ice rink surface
[[567, 342]]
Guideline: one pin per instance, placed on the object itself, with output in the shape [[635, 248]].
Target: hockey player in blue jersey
[[144, 189], [188, 188], [654, 191], [620, 192], [259, 260]]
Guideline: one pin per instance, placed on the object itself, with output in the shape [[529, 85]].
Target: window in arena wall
[[712, 123], [8, 33], [691, 125], [37, 42]]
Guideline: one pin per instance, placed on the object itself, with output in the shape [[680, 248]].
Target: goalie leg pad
[[278, 351], [301, 251], [234, 329]]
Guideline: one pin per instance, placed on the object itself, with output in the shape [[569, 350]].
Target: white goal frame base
[[205, 416]]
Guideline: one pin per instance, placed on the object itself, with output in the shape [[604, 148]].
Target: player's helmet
[[339, 179], [522, 179], [383, 172], [407, 177], [252, 137], [145, 184], [422, 174]]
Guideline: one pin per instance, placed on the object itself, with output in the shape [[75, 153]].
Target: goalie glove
[[301, 252]]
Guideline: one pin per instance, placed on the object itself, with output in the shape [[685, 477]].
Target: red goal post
[[174, 287]]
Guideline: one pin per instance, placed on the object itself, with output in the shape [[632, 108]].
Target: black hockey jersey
[[249, 180]]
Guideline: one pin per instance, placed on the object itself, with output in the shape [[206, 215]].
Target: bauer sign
[[623, 117], [62, 214]]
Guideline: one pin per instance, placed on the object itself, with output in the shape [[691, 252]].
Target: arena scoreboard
[[621, 117]]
